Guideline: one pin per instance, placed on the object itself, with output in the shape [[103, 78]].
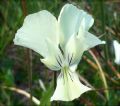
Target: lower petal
[[68, 87]]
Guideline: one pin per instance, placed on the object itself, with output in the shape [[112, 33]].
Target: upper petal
[[117, 51], [68, 87], [70, 19], [87, 21], [36, 28]]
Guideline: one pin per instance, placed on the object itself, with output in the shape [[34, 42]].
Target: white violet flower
[[61, 43], [116, 46]]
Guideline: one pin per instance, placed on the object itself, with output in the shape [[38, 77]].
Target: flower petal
[[69, 88], [55, 58], [78, 44], [74, 50], [70, 19], [91, 40], [117, 51], [87, 21], [36, 28]]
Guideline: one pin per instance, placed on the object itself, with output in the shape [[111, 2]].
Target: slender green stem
[[28, 56], [55, 79]]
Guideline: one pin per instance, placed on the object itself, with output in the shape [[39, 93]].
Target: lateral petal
[[74, 50], [55, 58], [91, 40]]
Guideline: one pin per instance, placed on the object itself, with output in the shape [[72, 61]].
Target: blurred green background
[[97, 67]]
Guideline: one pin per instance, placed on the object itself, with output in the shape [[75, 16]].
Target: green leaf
[[45, 100]]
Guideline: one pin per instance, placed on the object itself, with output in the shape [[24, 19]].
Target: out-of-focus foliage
[[13, 59]]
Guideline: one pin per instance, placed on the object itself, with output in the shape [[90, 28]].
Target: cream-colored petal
[[55, 58], [91, 40], [87, 21], [51, 63], [70, 19], [117, 51], [73, 67], [68, 87], [36, 28], [76, 45], [74, 50]]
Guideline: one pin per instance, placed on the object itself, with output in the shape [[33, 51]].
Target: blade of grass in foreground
[[101, 74], [94, 66], [23, 92]]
